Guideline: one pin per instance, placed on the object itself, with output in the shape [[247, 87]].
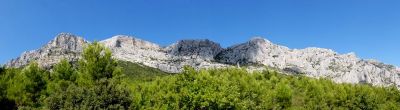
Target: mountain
[[196, 53], [65, 45], [312, 62]]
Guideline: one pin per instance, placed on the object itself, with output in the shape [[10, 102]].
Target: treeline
[[238, 89], [99, 82]]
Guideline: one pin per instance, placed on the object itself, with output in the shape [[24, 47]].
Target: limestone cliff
[[312, 62]]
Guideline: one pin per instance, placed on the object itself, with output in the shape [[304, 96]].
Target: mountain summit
[[312, 62], [64, 45]]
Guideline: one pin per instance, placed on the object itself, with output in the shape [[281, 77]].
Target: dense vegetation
[[137, 73], [99, 82]]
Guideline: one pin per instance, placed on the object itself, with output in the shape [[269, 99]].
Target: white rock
[[64, 46]]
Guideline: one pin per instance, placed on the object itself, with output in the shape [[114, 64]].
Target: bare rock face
[[255, 51], [196, 53], [202, 49], [131, 49], [64, 46], [312, 62]]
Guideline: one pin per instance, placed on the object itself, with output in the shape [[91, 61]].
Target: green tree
[[98, 84], [62, 77], [5, 77], [1, 70], [97, 63], [63, 71], [283, 96], [27, 87]]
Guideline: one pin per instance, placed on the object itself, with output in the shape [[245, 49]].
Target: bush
[[98, 86], [27, 87], [238, 89]]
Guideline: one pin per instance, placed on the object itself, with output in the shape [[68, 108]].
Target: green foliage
[[62, 81], [6, 77], [107, 94], [96, 83], [138, 73], [63, 71], [26, 87], [98, 86], [282, 96], [97, 63], [1, 70], [238, 89]]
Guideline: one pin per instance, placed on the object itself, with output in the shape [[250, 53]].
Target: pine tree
[[28, 86], [283, 95], [1, 70], [98, 86], [5, 77], [97, 63], [63, 71]]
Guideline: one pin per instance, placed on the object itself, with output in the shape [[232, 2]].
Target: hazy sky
[[370, 28]]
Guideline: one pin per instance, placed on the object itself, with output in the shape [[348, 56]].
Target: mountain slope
[[196, 53], [312, 62], [65, 45], [137, 72]]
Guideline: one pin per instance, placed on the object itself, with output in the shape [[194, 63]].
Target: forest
[[97, 81]]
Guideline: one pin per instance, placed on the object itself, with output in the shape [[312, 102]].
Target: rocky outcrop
[[195, 49], [64, 46], [313, 62], [254, 54], [139, 51], [255, 51], [195, 53]]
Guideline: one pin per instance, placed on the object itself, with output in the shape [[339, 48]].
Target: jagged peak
[[202, 52], [66, 39], [197, 40], [127, 37], [203, 47], [200, 42], [380, 64], [194, 43], [352, 54], [120, 40], [319, 49], [66, 34], [122, 37], [372, 60], [259, 39], [256, 42], [64, 45]]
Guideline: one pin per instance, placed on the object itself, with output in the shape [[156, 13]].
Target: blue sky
[[370, 28]]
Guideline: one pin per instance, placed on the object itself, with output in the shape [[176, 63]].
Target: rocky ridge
[[64, 46], [312, 62], [195, 53]]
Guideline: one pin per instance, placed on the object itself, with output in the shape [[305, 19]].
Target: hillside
[[235, 88], [206, 54], [97, 81], [138, 72]]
